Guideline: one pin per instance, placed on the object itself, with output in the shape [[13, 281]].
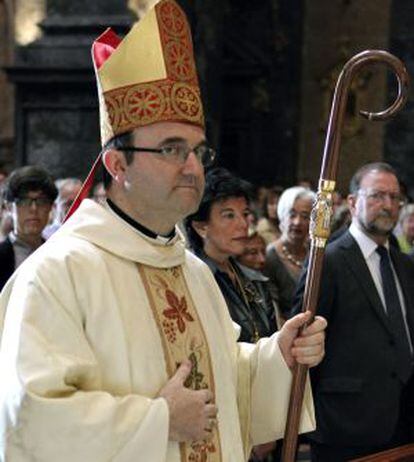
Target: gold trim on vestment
[[182, 337]]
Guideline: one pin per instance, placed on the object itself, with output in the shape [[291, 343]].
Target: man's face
[[376, 206], [156, 185], [67, 195], [30, 216]]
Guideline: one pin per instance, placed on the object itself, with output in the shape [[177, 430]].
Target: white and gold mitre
[[150, 75]]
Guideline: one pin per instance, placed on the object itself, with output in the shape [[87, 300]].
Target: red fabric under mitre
[[104, 46]]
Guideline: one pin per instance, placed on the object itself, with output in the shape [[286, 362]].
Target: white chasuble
[[96, 322]]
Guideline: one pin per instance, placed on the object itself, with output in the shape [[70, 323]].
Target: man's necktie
[[395, 315]]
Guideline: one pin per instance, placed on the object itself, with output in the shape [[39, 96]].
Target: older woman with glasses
[[285, 256]]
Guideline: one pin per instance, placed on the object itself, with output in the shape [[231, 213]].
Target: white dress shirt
[[368, 248]]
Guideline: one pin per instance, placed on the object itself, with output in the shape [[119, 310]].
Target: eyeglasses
[[179, 153], [379, 197], [27, 202]]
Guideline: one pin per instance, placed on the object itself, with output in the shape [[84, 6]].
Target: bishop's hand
[[192, 416], [309, 347]]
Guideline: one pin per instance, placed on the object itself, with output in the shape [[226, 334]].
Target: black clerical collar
[[142, 229]]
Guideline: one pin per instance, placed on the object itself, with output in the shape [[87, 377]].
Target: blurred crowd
[[263, 231]]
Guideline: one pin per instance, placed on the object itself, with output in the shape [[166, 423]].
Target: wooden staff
[[322, 210]]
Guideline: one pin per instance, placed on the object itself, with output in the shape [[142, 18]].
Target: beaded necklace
[[291, 258]]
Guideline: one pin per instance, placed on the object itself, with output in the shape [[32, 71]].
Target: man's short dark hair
[[30, 178], [355, 183], [220, 185], [117, 142]]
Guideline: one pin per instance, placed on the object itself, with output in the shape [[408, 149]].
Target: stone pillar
[[333, 32], [56, 111]]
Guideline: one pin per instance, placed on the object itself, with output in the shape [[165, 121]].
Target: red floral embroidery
[[177, 310]]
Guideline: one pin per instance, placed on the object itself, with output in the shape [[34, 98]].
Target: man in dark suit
[[29, 194], [363, 388]]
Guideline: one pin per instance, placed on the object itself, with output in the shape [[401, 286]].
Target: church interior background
[[267, 71]]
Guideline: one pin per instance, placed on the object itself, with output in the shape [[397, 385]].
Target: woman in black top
[[217, 233]]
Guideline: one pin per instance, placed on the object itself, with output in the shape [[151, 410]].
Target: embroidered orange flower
[[177, 310], [201, 451]]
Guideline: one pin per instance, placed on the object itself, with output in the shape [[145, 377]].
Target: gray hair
[[288, 198], [405, 212]]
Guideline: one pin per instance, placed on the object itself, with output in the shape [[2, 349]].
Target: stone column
[[55, 93]]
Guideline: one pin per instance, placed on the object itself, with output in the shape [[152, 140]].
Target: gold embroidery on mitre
[[186, 102], [182, 337], [177, 44], [179, 62], [173, 97], [143, 104], [172, 20]]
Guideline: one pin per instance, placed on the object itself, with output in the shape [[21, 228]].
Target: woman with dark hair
[[217, 233]]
